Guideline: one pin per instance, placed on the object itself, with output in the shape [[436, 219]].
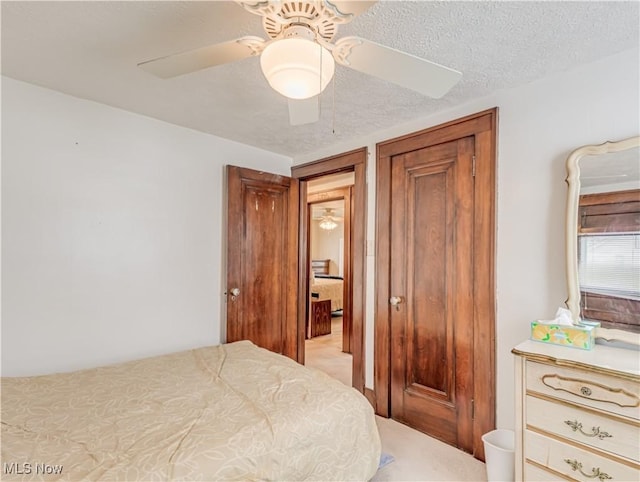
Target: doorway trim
[[353, 161], [483, 126]]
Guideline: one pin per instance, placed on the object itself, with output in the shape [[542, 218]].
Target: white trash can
[[499, 449]]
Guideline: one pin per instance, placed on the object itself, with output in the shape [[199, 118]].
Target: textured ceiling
[[91, 49]]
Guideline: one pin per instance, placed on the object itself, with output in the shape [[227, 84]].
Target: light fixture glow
[[297, 68], [328, 224]]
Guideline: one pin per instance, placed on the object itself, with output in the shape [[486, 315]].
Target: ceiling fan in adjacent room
[[328, 219], [298, 60]]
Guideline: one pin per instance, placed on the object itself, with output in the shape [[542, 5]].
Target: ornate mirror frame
[[573, 181]]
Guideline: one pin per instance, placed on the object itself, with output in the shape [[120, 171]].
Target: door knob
[[395, 301], [234, 293]]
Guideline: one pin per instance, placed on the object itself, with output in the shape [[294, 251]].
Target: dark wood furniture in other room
[[320, 317]]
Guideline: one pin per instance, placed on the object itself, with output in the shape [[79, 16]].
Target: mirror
[[603, 238]]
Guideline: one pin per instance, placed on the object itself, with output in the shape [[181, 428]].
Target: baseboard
[[371, 396]]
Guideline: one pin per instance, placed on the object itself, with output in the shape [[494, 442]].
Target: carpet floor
[[416, 456]]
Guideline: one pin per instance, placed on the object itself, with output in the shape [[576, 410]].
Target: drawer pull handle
[[591, 390], [595, 472], [595, 431]]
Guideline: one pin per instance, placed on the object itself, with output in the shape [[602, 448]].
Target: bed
[[228, 412], [328, 288]]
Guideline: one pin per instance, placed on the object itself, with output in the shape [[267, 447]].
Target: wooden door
[[434, 364], [262, 259], [432, 276]]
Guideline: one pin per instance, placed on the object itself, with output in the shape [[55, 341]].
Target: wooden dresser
[[577, 413]]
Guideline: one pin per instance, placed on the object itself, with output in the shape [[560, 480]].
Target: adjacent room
[[328, 343], [320, 240]]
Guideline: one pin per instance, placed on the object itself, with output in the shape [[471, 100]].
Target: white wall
[[327, 245], [111, 232], [539, 125]]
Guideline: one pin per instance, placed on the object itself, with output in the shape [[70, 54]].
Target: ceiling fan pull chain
[[333, 105], [320, 85]]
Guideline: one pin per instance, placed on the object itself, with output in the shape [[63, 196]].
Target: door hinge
[[473, 409], [473, 169]]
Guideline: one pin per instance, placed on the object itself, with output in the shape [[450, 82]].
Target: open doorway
[[330, 294], [352, 163]]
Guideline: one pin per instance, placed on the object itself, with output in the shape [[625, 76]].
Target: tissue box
[[577, 336]]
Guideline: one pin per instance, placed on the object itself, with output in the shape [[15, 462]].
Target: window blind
[[610, 264]]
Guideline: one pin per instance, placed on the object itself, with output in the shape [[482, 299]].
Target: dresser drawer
[[601, 432], [608, 393], [535, 473], [575, 463]]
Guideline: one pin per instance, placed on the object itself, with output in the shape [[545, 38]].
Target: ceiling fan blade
[[260, 7], [351, 7], [202, 58], [401, 68], [304, 111]]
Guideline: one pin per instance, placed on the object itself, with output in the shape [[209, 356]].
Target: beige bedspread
[[229, 412], [329, 288]]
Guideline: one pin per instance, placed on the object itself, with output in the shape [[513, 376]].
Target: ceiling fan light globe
[[328, 224], [297, 68], [295, 83]]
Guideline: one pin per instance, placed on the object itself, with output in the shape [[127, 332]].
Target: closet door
[[435, 281], [432, 279]]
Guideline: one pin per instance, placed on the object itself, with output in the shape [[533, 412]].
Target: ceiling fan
[[324, 213], [328, 219], [299, 57]]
